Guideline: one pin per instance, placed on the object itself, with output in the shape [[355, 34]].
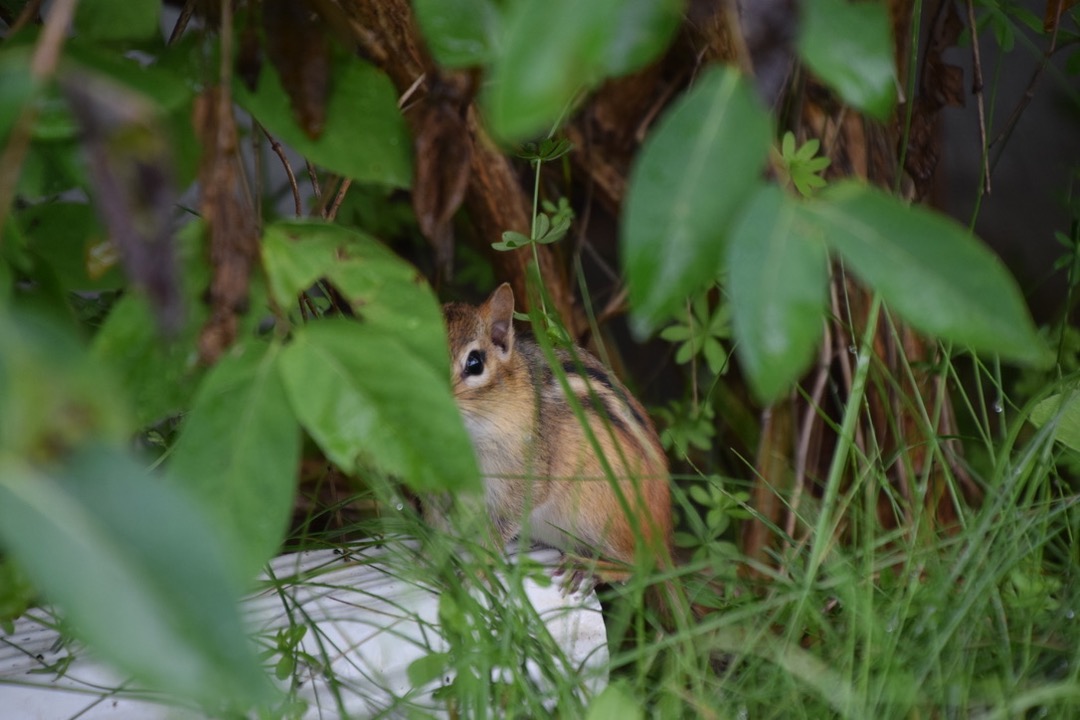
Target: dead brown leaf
[[940, 85], [443, 156], [1054, 10], [298, 46]]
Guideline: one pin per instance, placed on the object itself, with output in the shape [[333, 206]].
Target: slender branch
[[326, 199], [280, 152], [182, 22], [615, 306], [307, 307], [331, 213], [257, 169], [1029, 93], [805, 433], [410, 91], [315, 188], [977, 89]]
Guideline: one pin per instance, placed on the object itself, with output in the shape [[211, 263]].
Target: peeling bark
[[230, 221]]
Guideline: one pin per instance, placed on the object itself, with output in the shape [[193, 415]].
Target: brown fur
[[538, 463]]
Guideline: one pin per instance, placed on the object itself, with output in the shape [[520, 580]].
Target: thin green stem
[[909, 104], [532, 232], [823, 530]]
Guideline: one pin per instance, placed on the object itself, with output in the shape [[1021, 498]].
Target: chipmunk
[[542, 473]]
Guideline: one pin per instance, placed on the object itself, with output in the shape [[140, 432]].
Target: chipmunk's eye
[[474, 364]]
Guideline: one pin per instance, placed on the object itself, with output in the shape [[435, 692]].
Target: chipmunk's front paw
[[573, 577]]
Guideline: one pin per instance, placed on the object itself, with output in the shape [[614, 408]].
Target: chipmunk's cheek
[[473, 425], [479, 428]]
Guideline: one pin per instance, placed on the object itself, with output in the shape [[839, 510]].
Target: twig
[[338, 303], [977, 89], [280, 152], [1029, 93], [844, 352], [646, 122], [616, 306], [307, 307], [583, 244], [315, 188], [806, 432], [42, 66], [410, 90], [182, 22], [332, 212], [325, 199], [257, 162]]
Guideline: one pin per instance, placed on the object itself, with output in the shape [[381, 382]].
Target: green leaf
[[69, 237], [138, 572], [16, 593], [168, 89], [930, 270], [7, 282], [849, 46], [53, 167], [777, 279], [160, 375], [787, 145], [109, 20], [164, 86], [543, 224], [459, 33], [809, 150], [17, 87], [365, 137], [382, 289], [675, 333], [428, 668], [1065, 407], [239, 450], [511, 240], [366, 397], [1072, 65], [616, 702], [690, 181], [1028, 18], [554, 49], [715, 355], [640, 30], [52, 395], [29, 284]]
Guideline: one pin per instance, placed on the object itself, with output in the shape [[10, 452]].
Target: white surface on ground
[[367, 622]]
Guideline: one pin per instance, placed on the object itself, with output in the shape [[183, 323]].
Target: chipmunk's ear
[[500, 307]]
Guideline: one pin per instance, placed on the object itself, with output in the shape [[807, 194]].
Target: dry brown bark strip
[[229, 218]]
